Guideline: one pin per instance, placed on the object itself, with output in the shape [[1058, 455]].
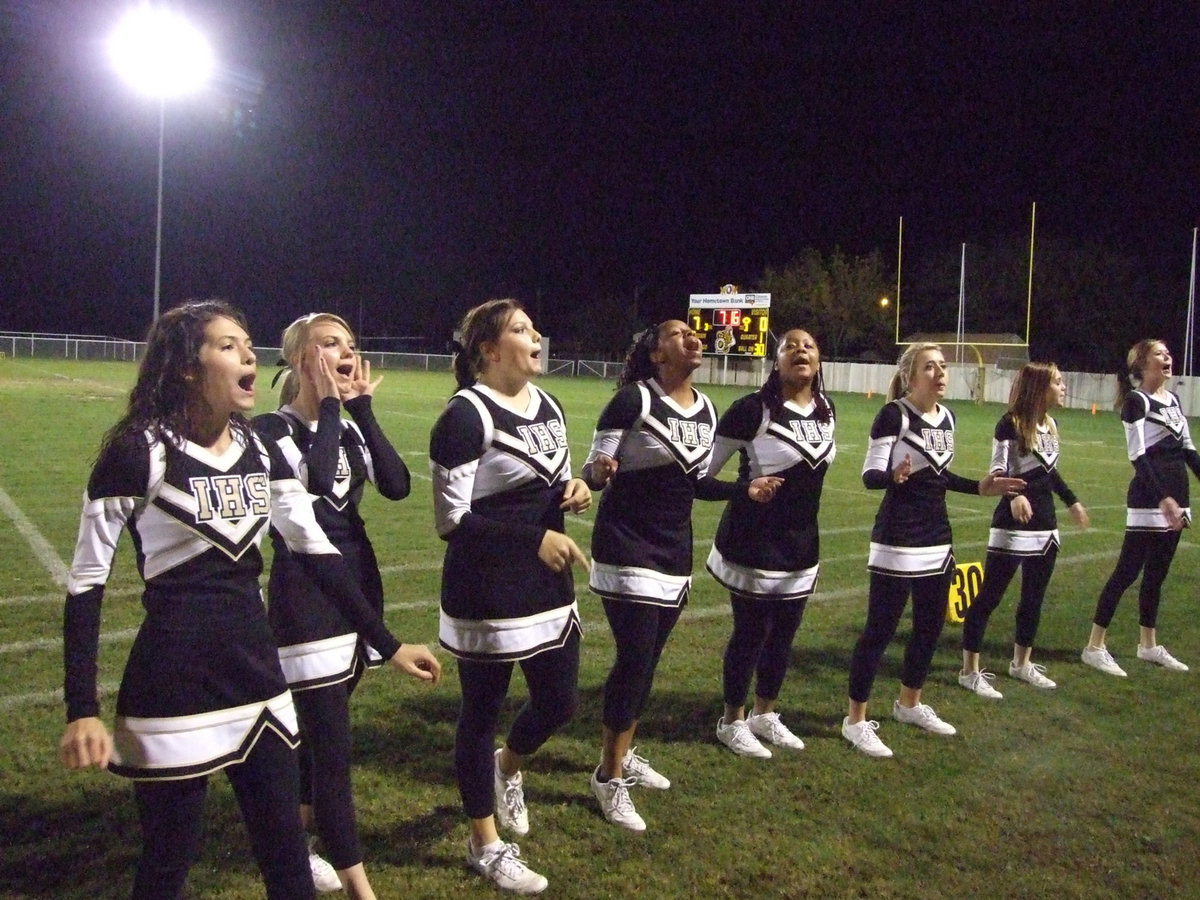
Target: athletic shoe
[[639, 768], [1100, 658], [980, 683], [510, 800], [738, 738], [1159, 656], [864, 739], [923, 716], [767, 727], [502, 863], [324, 876], [1032, 673], [615, 803]]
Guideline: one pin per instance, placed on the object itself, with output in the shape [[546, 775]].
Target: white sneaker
[[1159, 656], [639, 767], [980, 683], [768, 727], [615, 803], [864, 739], [324, 876], [738, 738], [502, 863], [1100, 658], [1032, 673], [510, 800], [923, 716]]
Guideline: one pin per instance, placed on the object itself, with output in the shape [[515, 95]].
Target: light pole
[[162, 55]]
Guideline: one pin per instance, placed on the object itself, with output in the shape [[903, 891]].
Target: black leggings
[[761, 643], [267, 791], [998, 573], [1148, 552], [640, 631], [325, 769], [885, 602], [552, 678]]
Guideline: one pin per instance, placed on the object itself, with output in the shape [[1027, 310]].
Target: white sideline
[[45, 553]]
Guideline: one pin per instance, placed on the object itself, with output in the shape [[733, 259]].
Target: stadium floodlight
[[160, 54]]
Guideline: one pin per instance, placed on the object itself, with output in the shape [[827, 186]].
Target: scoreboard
[[731, 324]]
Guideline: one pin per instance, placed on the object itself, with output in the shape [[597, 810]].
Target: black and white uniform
[[1161, 450], [772, 550], [321, 653], [1032, 546], [202, 689], [767, 555], [911, 548], [642, 539], [498, 483], [333, 458], [203, 679]]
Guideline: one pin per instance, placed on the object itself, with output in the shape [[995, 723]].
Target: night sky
[[398, 162]]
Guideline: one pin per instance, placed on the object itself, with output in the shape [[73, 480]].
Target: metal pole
[[158, 217]]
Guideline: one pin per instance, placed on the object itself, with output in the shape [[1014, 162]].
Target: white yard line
[[41, 548]]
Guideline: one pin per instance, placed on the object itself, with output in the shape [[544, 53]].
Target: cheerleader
[[1024, 530], [908, 457], [767, 557], [1160, 447], [501, 482], [321, 653], [650, 454], [202, 690]]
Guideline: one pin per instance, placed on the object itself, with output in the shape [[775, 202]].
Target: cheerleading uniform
[[498, 481], [1032, 546], [911, 550], [321, 654], [642, 540], [767, 554], [1161, 450], [202, 689]]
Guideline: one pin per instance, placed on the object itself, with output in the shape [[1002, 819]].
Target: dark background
[[398, 162]]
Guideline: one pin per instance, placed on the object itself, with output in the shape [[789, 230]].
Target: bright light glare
[[159, 53]]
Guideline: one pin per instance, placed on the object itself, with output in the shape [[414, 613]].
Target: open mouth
[[346, 369], [246, 383]]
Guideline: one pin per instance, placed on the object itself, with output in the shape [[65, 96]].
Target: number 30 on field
[[964, 588]]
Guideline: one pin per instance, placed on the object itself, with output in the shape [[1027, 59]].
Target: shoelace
[[634, 763], [507, 860], [514, 797], [868, 737], [621, 801], [774, 726]]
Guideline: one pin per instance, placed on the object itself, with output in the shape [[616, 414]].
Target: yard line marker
[[107, 637], [45, 553]]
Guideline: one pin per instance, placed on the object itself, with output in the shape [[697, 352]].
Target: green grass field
[[1087, 791]]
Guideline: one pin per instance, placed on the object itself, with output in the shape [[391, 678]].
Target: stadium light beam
[[162, 55]]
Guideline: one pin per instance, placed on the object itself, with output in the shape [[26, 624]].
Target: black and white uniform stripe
[[498, 482], [1039, 468], [911, 536], [1159, 445], [642, 540], [203, 681], [334, 458], [772, 550]]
